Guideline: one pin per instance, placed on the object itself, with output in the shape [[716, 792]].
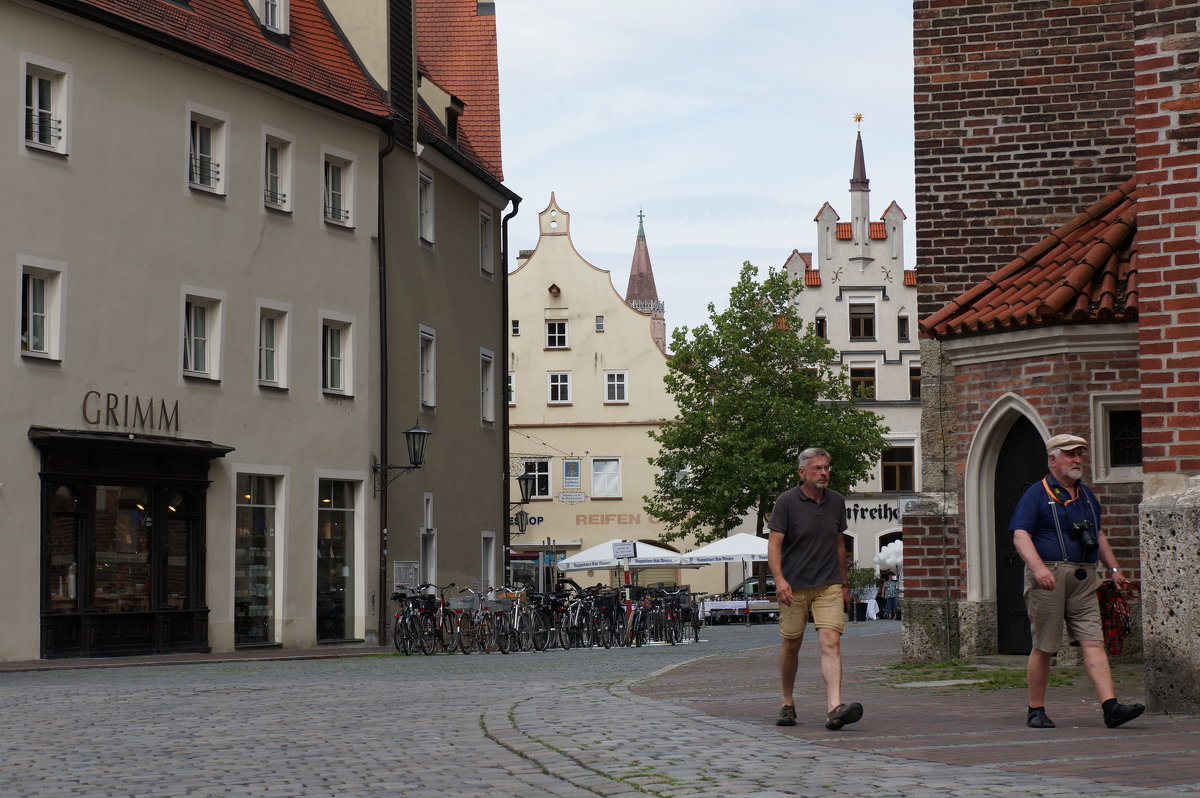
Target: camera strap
[[1062, 544]]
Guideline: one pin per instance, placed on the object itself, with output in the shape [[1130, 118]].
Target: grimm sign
[[130, 412]]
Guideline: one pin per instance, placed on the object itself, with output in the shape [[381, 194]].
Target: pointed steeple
[[859, 181], [641, 293]]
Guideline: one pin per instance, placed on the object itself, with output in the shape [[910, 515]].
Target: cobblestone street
[[558, 723]]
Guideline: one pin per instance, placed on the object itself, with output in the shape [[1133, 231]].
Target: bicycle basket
[[501, 605], [460, 603]]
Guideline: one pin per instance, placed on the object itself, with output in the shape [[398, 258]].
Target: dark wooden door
[[1021, 463]]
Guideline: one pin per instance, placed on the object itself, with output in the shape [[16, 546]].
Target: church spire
[[859, 181], [641, 293]]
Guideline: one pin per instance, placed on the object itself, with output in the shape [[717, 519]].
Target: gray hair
[[809, 454]]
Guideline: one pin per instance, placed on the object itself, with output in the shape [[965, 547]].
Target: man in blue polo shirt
[[1056, 530]]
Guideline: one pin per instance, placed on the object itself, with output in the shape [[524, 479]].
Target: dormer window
[[452, 116], [274, 15]]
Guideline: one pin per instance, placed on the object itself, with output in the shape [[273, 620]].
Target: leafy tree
[[751, 394]]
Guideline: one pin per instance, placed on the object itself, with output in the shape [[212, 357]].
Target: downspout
[[504, 336], [381, 227]]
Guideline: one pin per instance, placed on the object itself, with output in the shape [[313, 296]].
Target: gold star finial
[[858, 120]]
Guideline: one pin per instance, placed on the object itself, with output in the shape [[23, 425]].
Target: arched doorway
[[1021, 463]]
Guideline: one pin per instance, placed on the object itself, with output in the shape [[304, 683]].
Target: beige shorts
[[825, 603], [1072, 602]]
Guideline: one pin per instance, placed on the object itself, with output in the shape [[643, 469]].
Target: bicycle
[[439, 623], [406, 631]]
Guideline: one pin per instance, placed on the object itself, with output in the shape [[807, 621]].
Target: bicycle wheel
[[672, 631], [542, 624], [584, 632], [604, 631], [619, 628], [427, 634], [399, 638], [504, 632], [466, 633], [448, 629], [524, 631], [485, 634], [562, 621]]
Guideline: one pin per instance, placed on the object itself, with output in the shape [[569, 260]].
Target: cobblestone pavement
[[662, 721]]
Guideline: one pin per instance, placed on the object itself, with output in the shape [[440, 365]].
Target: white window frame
[[359, 572], [606, 484], [899, 443], [217, 123], [280, 313], [425, 207], [273, 14], [487, 559], [53, 277], [516, 327], [58, 113], [487, 386], [281, 475], [427, 367], [337, 197], [599, 324], [511, 389], [558, 382], [278, 198], [487, 248], [618, 379], [1101, 406], [551, 336], [214, 303], [874, 367], [542, 468], [344, 366], [861, 302]]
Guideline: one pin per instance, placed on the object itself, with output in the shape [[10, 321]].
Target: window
[[914, 382], [427, 367], [599, 324], [559, 385], [862, 322], [274, 15], [202, 333], [902, 329], [254, 586], [896, 465], [516, 327], [487, 392], [336, 555], [606, 478], [615, 386], [272, 347], [1117, 438], [541, 470], [41, 316], [862, 382], [556, 335], [277, 172], [338, 190], [511, 391], [487, 558], [1125, 438], [425, 207], [46, 89], [337, 373], [206, 150], [821, 327], [487, 258]]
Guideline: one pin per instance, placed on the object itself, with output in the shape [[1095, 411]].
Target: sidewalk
[[955, 725]]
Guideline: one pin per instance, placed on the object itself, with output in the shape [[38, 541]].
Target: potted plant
[[862, 582]]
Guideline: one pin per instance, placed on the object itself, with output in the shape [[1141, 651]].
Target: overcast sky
[[728, 122]]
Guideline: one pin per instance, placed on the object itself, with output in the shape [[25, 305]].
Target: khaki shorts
[[824, 601], [1072, 602]]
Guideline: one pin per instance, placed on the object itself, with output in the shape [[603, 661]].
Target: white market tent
[[742, 547], [601, 557]]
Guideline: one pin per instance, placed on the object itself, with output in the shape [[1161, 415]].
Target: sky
[[727, 122]]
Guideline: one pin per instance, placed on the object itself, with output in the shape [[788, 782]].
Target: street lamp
[[526, 482], [415, 439]]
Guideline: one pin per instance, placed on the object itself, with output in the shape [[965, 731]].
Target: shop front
[[123, 543]]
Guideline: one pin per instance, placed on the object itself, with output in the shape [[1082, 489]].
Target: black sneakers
[[787, 716], [1116, 714], [1038, 720], [842, 714]]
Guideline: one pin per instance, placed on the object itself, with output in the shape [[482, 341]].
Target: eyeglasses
[[818, 468]]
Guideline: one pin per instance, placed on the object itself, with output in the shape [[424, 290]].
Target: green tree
[[751, 394]]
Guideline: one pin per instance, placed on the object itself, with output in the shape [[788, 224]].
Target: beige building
[[585, 386], [861, 297], [196, 416]]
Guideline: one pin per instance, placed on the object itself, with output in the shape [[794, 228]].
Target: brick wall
[[1023, 117], [1167, 70]]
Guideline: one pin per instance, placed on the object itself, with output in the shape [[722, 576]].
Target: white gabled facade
[[860, 296]]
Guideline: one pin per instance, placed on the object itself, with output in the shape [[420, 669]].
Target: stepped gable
[[456, 48], [1085, 271], [312, 58]]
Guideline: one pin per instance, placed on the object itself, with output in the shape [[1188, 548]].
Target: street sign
[[625, 550], [571, 497]]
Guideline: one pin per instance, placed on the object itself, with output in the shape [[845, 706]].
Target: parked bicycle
[[439, 624]]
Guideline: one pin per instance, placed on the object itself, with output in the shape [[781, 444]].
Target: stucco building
[[860, 296]]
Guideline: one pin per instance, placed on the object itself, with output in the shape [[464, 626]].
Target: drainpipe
[[504, 336], [381, 227]]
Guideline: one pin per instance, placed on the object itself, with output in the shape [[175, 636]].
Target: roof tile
[[1085, 271]]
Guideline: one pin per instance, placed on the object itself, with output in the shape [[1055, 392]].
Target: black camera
[[1082, 531]]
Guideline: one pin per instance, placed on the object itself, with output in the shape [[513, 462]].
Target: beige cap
[[1065, 442]]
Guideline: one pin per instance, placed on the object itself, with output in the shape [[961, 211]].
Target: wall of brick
[[1167, 67], [1024, 116]]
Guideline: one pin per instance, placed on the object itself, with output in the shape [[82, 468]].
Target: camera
[[1082, 531]]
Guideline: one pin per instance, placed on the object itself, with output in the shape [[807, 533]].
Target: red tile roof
[[910, 276], [812, 277], [1085, 271], [315, 59], [878, 230], [843, 231], [457, 47]]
